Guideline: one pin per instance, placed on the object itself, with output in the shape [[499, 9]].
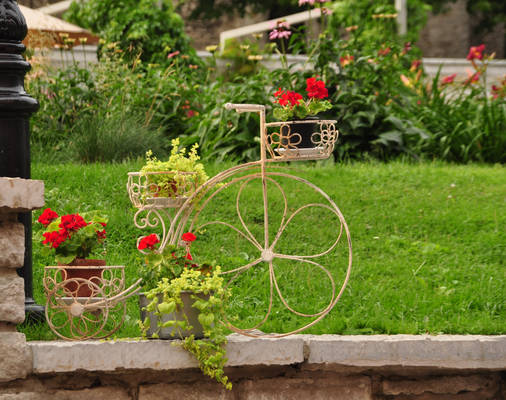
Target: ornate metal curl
[[156, 205], [72, 316], [283, 143]]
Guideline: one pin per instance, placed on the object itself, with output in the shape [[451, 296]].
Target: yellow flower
[[212, 48]]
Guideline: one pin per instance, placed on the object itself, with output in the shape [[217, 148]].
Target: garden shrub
[[73, 100], [150, 28], [375, 78]]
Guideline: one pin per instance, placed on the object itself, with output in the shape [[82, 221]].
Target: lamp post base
[[34, 313]]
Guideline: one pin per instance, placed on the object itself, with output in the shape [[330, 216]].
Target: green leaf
[[206, 319], [167, 307]]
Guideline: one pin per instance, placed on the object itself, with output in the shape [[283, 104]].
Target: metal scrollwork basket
[[301, 140], [98, 314]]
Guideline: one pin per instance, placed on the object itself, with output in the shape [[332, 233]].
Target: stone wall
[[402, 367], [16, 195], [450, 34]]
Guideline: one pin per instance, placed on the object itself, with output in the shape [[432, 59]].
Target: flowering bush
[[464, 121], [292, 104], [72, 236]]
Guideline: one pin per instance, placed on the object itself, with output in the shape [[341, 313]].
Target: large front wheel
[[283, 245]]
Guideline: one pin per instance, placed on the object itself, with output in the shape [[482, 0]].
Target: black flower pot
[[305, 128]]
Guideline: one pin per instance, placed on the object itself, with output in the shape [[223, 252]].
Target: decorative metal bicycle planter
[[89, 307], [265, 244]]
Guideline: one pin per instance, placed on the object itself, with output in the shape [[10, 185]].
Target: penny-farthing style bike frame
[[278, 143]]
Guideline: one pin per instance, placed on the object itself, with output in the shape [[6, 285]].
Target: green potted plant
[[183, 299], [167, 183], [299, 116], [74, 238]]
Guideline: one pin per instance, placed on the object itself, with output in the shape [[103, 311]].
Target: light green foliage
[[209, 352], [179, 161]]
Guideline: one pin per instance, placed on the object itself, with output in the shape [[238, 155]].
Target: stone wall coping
[[444, 351], [20, 195]]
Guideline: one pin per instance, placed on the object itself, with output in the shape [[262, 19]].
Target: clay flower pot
[[78, 272]]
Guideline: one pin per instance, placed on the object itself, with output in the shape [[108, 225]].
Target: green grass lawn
[[429, 245]]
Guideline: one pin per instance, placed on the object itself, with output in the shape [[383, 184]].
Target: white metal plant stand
[[263, 234]]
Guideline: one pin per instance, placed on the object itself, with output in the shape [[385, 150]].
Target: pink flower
[[302, 2], [448, 79], [476, 52], [407, 48], [173, 54], [280, 31]]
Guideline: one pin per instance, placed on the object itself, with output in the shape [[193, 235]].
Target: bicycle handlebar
[[245, 107]]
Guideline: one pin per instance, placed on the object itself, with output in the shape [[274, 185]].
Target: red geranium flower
[[148, 242], [72, 222], [476, 52], [188, 237], [316, 89], [47, 217], [55, 238], [283, 98], [189, 256]]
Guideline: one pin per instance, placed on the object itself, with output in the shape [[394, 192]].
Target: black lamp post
[[16, 107]]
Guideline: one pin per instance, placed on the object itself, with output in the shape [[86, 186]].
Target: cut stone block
[[15, 355], [12, 297], [200, 391], [440, 385], [100, 393], [158, 354], [445, 351], [20, 195], [12, 244], [345, 388]]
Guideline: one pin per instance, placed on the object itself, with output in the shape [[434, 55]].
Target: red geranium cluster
[[284, 97], [55, 238], [316, 89], [47, 217], [148, 242], [69, 224]]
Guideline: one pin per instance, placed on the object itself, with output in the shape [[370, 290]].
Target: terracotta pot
[[169, 332], [93, 275]]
